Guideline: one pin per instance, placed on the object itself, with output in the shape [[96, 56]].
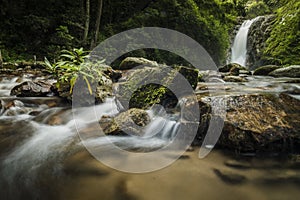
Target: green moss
[[265, 70], [256, 8], [283, 46], [148, 86]]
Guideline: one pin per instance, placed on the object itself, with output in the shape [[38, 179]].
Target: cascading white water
[[6, 85], [239, 48], [49, 143]]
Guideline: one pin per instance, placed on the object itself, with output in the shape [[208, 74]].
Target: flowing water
[[43, 157], [239, 48]]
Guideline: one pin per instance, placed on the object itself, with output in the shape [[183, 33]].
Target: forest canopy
[[45, 27]]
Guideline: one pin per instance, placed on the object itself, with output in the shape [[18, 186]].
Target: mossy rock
[[132, 62], [256, 122], [292, 71], [148, 86], [234, 79], [265, 70], [231, 67], [125, 123]]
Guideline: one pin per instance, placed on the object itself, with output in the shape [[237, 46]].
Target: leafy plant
[[71, 66]]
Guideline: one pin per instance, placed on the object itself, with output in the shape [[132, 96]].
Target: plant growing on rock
[[72, 66]]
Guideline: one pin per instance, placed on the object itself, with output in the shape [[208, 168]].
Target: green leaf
[[72, 82], [88, 84]]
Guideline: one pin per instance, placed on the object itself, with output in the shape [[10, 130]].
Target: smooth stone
[[132, 62], [265, 70], [291, 71]]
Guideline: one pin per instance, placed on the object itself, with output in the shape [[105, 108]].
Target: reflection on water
[[188, 178], [48, 162]]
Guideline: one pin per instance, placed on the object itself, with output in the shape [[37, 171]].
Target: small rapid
[[51, 135]]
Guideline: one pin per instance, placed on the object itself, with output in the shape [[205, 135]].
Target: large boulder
[[265, 70], [132, 62], [147, 86], [125, 123], [34, 89], [291, 71], [255, 122]]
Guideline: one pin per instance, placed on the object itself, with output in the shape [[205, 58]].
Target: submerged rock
[[256, 122], [265, 70], [126, 123], [132, 62], [291, 71], [33, 89]]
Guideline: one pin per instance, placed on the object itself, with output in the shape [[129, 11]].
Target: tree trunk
[[87, 20], [1, 60], [97, 25]]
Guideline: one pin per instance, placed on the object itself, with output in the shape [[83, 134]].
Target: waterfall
[[239, 48]]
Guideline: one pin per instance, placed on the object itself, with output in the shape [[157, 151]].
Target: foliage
[[45, 27], [206, 21], [72, 66], [283, 45], [256, 8], [274, 4]]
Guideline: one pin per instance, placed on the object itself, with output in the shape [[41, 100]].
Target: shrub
[[72, 65]]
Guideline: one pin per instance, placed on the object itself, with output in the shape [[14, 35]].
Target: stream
[[43, 157]]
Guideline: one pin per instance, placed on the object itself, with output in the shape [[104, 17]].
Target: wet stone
[[33, 89], [234, 79]]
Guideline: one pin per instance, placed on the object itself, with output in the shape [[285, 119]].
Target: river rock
[[256, 122], [265, 70], [125, 123], [14, 108], [132, 62], [244, 72], [237, 70], [231, 67], [33, 89], [113, 75], [147, 86], [234, 79], [291, 71], [101, 89]]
